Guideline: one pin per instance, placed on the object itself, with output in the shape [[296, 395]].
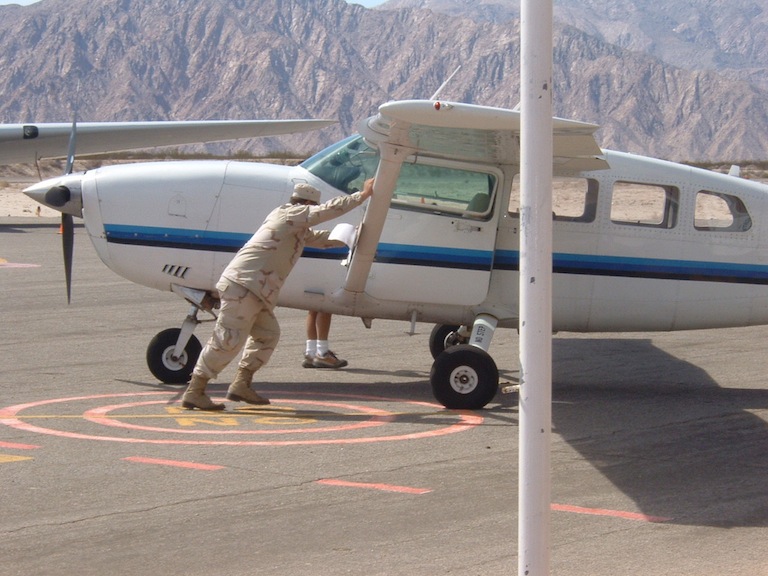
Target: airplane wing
[[30, 142], [477, 134], [455, 131]]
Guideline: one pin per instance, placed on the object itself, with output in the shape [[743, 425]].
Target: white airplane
[[639, 244]]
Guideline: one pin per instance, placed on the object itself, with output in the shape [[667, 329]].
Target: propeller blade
[[67, 243], [62, 193]]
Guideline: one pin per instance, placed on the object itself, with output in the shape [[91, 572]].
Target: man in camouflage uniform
[[249, 287]]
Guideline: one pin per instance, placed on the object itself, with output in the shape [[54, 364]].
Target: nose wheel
[[464, 377], [165, 364]]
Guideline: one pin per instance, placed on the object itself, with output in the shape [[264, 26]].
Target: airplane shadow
[[663, 431]]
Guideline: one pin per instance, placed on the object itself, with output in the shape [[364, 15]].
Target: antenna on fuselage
[[436, 95]]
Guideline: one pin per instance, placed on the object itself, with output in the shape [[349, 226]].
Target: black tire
[[163, 366], [464, 377], [442, 337]]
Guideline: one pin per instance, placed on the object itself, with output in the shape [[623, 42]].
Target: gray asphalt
[[659, 448]]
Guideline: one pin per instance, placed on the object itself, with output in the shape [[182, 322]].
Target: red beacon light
[[437, 105]]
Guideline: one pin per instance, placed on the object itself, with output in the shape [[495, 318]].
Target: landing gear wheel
[[160, 358], [444, 336], [464, 377]]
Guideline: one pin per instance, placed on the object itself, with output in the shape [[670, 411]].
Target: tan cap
[[306, 192]]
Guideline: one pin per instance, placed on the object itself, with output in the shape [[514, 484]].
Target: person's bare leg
[[311, 349], [324, 357]]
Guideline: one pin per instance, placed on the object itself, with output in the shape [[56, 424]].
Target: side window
[[445, 189], [573, 199], [644, 204], [720, 212]]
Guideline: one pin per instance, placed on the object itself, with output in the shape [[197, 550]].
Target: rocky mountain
[[729, 37], [208, 59]]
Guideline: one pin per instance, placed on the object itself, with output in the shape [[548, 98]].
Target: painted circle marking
[[380, 417], [12, 416]]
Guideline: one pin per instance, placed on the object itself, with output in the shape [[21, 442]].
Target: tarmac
[[659, 447]]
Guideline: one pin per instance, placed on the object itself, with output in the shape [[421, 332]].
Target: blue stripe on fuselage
[[630, 267], [457, 258]]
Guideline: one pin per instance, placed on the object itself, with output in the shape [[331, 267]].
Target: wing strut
[[373, 221]]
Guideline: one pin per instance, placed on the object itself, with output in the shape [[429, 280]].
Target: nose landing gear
[[172, 353], [165, 364]]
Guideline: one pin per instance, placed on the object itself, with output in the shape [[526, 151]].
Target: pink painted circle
[[106, 415]]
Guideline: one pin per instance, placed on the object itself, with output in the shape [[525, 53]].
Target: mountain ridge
[[243, 59]]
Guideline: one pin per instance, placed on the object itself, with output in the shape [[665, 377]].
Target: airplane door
[[438, 241]]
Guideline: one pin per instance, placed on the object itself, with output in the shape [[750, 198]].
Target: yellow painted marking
[[220, 421], [281, 421], [5, 458], [195, 420], [183, 417]]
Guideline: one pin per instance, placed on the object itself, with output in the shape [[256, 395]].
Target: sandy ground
[[14, 179], [14, 203]]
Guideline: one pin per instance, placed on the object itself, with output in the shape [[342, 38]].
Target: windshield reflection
[[344, 165]]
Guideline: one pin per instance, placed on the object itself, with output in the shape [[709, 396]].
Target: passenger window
[[573, 199], [445, 190], [720, 212], [644, 204]]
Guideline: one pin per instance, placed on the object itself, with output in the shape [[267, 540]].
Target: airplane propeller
[[59, 196]]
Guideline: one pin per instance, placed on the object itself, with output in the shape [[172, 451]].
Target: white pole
[[535, 288]]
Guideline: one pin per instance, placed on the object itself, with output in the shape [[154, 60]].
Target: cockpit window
[[344, 165]]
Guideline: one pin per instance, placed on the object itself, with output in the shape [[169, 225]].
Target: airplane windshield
[[344, 165]]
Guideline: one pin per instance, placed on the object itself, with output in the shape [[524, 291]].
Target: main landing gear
[[464, 376], [172, 353]]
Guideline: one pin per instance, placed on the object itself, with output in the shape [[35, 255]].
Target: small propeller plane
[[639, 244]]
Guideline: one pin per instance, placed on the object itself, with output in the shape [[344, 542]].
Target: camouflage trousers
[[245, 323]]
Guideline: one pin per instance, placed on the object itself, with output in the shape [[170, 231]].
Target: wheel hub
[[174, 362], [464, 379]]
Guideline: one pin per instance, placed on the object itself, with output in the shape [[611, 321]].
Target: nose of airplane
[[63, 194]]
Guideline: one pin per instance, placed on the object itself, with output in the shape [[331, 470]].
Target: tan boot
[[240, 389], [195, 396]]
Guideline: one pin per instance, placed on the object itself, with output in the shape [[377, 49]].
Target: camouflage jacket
[[263, 264]]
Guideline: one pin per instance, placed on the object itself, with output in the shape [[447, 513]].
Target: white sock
[[322, 347], [311, 348]]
